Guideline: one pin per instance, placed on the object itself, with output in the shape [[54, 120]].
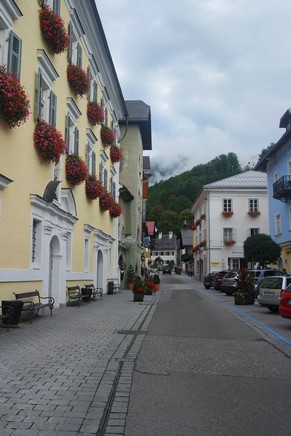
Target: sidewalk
[[71, 373]]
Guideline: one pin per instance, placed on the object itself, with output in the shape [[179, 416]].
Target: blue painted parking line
[[250, 318], [268, 329]]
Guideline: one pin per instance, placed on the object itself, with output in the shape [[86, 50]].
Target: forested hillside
[[170, 201]]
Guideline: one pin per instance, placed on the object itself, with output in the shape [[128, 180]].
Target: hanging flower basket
[[254, 213], [76, 170], [94, 188], [115, 153], [106, 201], [115, 210], [53, 30], [95, 113], [107, 136], [48, 142], [78, 80], [14, 103]]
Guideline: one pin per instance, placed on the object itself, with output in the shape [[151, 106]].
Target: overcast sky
[[216, 73]]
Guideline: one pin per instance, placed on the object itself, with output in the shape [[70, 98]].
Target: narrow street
[[205, 369]]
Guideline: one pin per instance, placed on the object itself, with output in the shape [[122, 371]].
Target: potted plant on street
[[138, 289], [149, 285], [130, 276], [245, 293], [156, 281]]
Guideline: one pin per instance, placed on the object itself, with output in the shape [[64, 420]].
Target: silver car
[[270, 289]]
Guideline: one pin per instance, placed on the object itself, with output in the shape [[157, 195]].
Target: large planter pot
[[129, 285], [138, 296], [242, 300]]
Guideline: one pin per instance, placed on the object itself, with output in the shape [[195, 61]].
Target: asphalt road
[[207, 367]]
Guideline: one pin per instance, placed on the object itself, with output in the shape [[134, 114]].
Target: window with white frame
[[46, 99], [75, 33], [103, 174], [278, 224], [227, 205], [10, 43], [90, 153], [92, 73], [228, 234], [254, 231], [253, 204], [36, 242], [72, 131], [54, 5]]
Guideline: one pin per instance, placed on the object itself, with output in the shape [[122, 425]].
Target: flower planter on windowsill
[[76, 170], [94, 188], [229, 242], [254, 213], [48, 142], [95, 113], [78, 79], [53, 30], [14, 104], [227, 214], [107, 136]]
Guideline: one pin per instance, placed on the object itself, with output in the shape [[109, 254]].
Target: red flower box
[[14, 104], [227, 213], [53, 30], [106, 201], [229, 242], [107, 136], [78, 80], [115, 153], [94, 188], [115, 210], [76, 170], [48, 142], [95, 113]]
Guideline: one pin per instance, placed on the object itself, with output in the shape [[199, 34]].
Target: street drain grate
[[131, 332]]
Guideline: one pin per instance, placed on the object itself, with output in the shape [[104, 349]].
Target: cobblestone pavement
[[71, 373]]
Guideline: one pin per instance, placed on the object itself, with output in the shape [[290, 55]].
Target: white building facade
[[226, 213]]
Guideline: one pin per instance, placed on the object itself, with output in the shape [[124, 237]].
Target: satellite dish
[[129, 240]]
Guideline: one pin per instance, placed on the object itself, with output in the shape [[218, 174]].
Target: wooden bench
[[96, 292], [6, 313], [31, 307], [77, 295]]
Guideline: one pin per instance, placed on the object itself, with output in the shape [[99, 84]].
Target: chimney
[[160, 235]]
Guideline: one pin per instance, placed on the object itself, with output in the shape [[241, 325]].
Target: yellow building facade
[[52, 235]]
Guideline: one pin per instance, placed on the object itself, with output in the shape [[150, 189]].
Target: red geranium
[[14, 104], [94, 188], [107, 135], [115, 153], [115, 210], [76, 170], [48, 142], [95, 113], [78, 79], [106, 201], [53, 30]]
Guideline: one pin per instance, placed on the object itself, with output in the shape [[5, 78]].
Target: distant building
[[164, 249], [225, 213]]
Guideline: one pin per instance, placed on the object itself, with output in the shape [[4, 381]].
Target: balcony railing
[[282, 189]]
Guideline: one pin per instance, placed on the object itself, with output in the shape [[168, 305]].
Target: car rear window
[[255, 274], [230, 275], [272, 283], [288, 289]]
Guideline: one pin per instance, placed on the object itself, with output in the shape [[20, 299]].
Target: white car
[[270, 289]]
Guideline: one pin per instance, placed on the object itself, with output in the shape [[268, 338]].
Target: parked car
[[167, 270], [270, 289], [260, 274], [229, 282], [285, 302], [209, 280], [218, 279]]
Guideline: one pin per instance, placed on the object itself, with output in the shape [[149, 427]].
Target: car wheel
[[207, 287]]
